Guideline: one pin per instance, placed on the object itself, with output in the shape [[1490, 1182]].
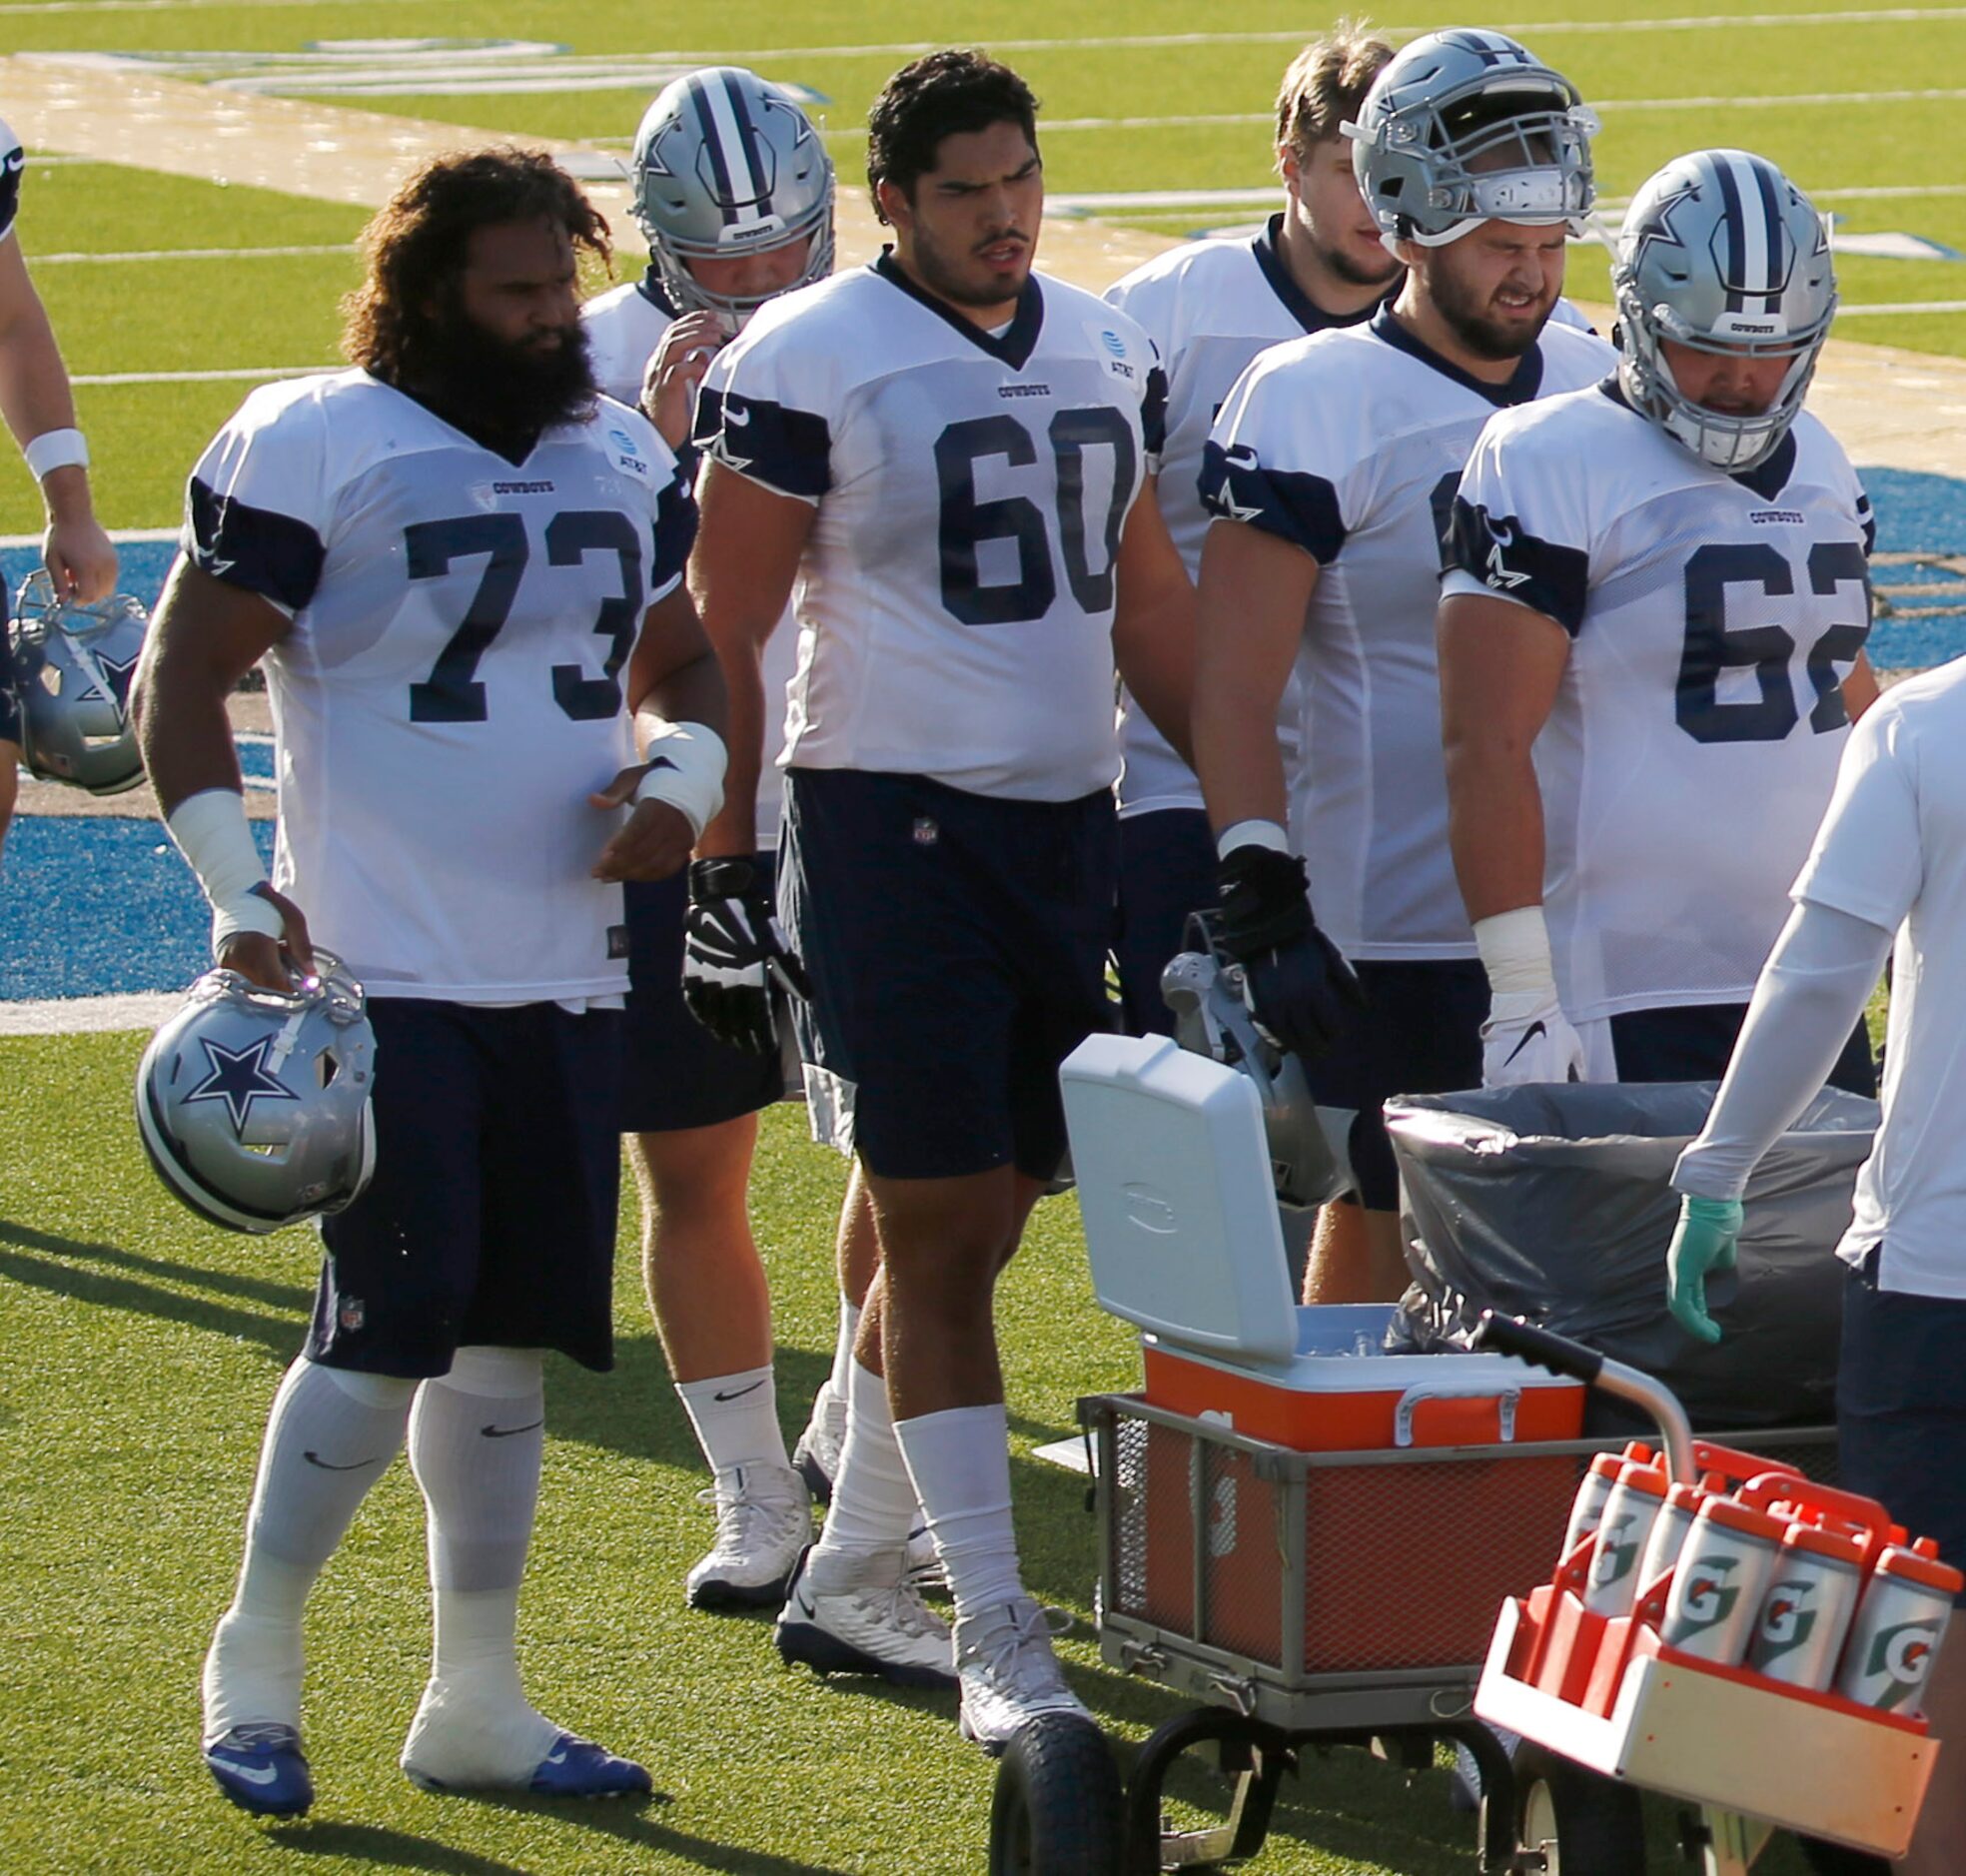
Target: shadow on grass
[[226, 1283], [279, 1336], [387, 1849], [636, 1825]]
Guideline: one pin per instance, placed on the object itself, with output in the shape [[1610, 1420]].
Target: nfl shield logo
[[351, 1314]]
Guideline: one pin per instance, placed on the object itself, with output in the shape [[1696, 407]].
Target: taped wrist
[[1266, 900], [1515, 948], [211, 831], [686, 762]]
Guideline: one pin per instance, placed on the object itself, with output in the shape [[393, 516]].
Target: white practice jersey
[[450, 692], [13, 161], [1348, 444], [624, 327], [1892, 851], [1210, 308], [1695, 734], [958, 583]]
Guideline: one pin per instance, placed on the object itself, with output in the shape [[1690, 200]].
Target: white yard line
[[135, 254], [242, 373], [68, 1016]]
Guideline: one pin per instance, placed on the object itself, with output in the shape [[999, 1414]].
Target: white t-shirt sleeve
[[13, 161], [256, 506], [1262, 468], [1869, 859], [1517, 529], [764, 416]]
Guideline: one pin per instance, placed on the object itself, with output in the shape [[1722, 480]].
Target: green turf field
[[1878, 114], [139, 1350]]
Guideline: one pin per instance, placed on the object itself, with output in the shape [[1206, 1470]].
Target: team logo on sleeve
[[1502, 537]]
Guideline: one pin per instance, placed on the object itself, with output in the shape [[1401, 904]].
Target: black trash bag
[[1551, 1202]]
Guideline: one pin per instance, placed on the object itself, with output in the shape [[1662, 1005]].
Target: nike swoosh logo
[[1528, 1036], [327, 1466], [253, 1774], [506, 1432], [733, 415], [556, 1757], [737, 1394], [16, 162]]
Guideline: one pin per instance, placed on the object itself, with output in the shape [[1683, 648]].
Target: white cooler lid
[[1178, 1202]]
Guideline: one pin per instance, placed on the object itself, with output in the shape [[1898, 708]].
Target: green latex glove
[[1702, 1241]]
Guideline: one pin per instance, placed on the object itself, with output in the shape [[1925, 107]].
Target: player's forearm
[[1495, 824], [735, 830], [34, 392], [1810, 994], [182, 727]]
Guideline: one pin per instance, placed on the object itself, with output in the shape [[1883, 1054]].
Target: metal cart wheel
[[1570, 1822], [1059, 1808]]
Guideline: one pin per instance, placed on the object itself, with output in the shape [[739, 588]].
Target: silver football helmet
[[1464, 127], [1720, 252], [254, 1104], [74, 663], [726, 165]]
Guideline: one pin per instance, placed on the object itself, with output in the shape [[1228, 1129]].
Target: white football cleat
[[1008, 1672], [875, 1624], [764, 1520], [816, 1457]]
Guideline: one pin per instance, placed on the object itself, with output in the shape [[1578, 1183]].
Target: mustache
[[996, 236]]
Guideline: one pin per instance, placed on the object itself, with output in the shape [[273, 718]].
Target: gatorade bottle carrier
[[1614, 1696]]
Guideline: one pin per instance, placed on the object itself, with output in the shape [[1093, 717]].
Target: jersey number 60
[[967, 523]]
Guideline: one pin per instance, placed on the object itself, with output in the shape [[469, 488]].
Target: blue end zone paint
[[95, 907]]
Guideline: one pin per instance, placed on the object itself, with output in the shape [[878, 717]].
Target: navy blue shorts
[[1419, 1033], [1696, 1042], [1901, 1407], [674, 1073], [957, 947], [1167, 870], [491, 1219], [10, 703]]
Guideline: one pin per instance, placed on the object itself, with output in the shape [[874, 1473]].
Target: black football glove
[[1298, 987], [735, 960]]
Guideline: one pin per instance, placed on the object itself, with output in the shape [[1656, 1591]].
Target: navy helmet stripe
[[1736, 226], [1771, 209], [699, 97], [747, 138]]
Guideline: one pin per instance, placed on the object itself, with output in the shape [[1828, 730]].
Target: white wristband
[[1515, 948], [56, 448], [688, 763], [211, 831], [1251, 834]]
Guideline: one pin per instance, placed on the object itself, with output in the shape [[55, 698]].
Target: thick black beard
[[1482, 336], [502, 395]]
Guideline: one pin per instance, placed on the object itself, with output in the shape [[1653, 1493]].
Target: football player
[[1329, 473], [40, 412], [457, 562], [945, 449], [1210, 307], [734, 193], [1651, 647]]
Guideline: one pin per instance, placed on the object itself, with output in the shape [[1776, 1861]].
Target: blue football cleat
[[578, 1768], [262, 1769]]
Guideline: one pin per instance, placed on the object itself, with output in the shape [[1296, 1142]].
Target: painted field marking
[[135, 254], [241, 373], [1702, 22]]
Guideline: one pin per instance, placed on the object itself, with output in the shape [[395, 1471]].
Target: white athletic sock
[[873, 1507], [474, 1443], [959, 1460], [330, 1435], [849, 1333], [737, 1420]]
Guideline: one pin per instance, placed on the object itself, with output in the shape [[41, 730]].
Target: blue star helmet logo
[[114, 675], [239, 1078]]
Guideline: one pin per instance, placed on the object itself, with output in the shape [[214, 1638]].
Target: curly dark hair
[[944, 93], [415, 247]]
